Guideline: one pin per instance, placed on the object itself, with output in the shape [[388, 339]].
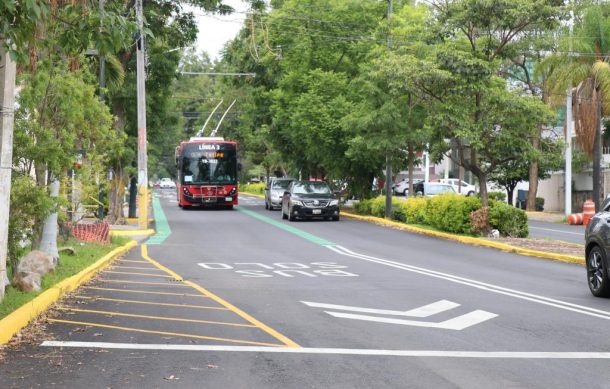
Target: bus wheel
[[230, 207]]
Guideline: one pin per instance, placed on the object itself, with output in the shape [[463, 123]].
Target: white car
[[167, 183], [402, 187], [460, 187]]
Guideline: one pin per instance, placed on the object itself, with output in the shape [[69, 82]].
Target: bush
[[363, 207], [479, 221], [539, 204], [258, 188], [497, 196], [451, 212], [510, 221], [414, 210]]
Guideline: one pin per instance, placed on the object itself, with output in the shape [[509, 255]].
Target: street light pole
[[141, 106], [388, 158]]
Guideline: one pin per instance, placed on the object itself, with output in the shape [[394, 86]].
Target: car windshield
[[311, 188], [280, 184], [439, 189]]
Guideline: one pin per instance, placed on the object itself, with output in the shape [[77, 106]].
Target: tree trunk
[[510, 190], [411, 158], [533, 175], [48, 242], [483, 189], [115, 195], [597, 156]]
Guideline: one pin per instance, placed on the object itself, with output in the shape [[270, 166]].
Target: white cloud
[[216, 30]]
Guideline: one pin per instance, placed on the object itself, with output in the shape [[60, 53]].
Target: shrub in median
[[510, 221], [414, 210], [451, 212], [258, 188]]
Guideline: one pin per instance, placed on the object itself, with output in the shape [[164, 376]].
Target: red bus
[[207, 172]]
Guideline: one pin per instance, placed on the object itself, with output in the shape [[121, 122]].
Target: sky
[[215, 30]]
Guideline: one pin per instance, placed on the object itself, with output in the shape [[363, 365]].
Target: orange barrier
[[588, 210], [98, 232], [575, 219]]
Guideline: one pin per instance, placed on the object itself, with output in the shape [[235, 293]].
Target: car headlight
[[333, 202], [296, 202]]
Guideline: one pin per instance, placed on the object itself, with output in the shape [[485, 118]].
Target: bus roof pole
[[200, 133], [222, 118]]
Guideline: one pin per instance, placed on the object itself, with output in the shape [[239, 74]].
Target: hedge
[[258, 188], [449, 212]]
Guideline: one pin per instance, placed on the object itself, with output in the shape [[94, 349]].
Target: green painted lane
[[161, 224], [305, 235]]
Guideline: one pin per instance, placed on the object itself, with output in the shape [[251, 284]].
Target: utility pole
[[142, 152], [100, 196], [388, 157], [568, 169], [7, 106]]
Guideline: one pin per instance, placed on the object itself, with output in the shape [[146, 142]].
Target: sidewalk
[[551, 217]]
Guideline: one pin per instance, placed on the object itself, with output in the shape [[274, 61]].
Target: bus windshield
[[214, 167]]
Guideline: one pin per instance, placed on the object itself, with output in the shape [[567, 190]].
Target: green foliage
[[510, 221], [451, 212], [414, 210], [18, 23], [497, 196], [258, 188]]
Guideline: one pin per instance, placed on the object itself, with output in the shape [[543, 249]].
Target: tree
[[583, 65]]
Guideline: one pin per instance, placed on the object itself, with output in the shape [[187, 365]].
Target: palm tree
[[583, 66]]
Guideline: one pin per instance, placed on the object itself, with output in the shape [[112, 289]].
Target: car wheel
[[283, 214], [471, 193], [291, 218], [336, 218], [597, 274], [266, 205], [404, 192]]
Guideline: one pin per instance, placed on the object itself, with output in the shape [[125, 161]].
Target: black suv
[[597, 241], [308, 200]]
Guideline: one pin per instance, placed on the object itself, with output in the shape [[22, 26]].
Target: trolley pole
[[142, 152]]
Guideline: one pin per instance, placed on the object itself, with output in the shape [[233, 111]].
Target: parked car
[[309, 199], [402, 187], [167, 183], [274, 191], [431, 189], [461, 187], [597, 250]]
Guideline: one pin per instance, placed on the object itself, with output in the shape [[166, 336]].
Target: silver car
[[274, 191]]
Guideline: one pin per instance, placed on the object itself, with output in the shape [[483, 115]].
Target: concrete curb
[[20, 318], [467, 239], [149, 231]]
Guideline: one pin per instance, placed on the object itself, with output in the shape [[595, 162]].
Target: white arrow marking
[[425, 311], [457, 323]]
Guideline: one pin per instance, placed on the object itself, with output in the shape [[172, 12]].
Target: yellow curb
[[467, 239], [135, 220], [20, 318], [260, 196], [132, 232]]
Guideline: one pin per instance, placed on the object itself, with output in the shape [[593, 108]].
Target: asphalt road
[[557, 231], [267, 303]]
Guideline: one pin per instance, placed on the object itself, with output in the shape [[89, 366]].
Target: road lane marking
[[109, 313], [132, 267], [339, 351], [142, 282], [425, 311], [130, 260], [152, 303], [478, 285], [161, 224], [563, 232], [142, 291], [458, 323], [137, 274], [286, 227], [82, 323], [144, 251], [288, 342]]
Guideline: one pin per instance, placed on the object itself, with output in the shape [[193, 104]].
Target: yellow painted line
[[154, 317], [81, 323], [144, 250], [132, 232], [130, 260], [143, 291], [141, 282], [19, 318], [133, 267], [224, 303], [135, 220], [467, 239], [153, 303], [137, 274]]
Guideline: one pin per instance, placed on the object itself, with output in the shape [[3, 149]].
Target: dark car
[[597, 250], [274, 191], [308, 200]]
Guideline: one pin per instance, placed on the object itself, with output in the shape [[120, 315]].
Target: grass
[[85, 255]]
